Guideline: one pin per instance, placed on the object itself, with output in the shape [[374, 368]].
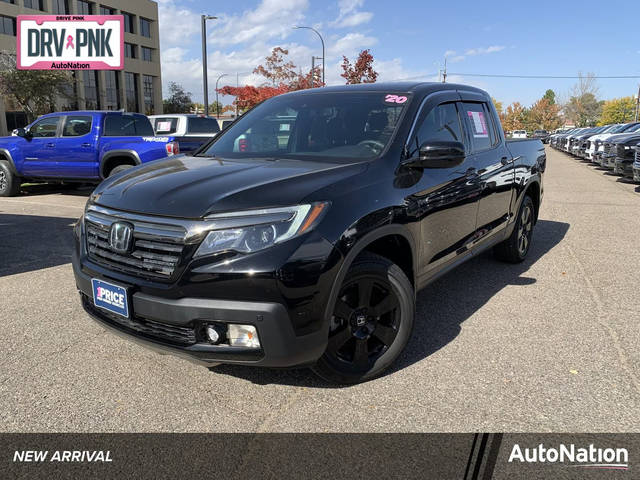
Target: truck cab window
[[479, 125], [46, 127], [76, 126], [442, 123]]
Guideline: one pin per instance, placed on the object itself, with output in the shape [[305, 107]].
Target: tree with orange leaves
[[361, 71]]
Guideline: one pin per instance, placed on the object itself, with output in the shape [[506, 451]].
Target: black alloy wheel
[[515, 248], [371, 322], [525, 229]]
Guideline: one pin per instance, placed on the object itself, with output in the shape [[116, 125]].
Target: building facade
[[137, 88]]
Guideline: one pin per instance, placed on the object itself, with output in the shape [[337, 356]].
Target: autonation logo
[[589, 457]]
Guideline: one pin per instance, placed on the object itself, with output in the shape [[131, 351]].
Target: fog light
[[243, 336], [214, 334]]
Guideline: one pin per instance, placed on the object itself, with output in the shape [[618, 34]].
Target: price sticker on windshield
[[395, 99]]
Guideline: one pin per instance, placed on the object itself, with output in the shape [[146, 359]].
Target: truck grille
[[637, 156], [607, 148], [155, 254], [145, 327]]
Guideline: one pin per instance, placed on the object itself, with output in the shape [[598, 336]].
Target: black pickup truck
[[303, 242]]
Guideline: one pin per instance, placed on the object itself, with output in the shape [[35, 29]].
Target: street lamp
[[217, 102], [321, 40], [204, 19]]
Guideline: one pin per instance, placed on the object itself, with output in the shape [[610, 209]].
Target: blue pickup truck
[[85, 146]]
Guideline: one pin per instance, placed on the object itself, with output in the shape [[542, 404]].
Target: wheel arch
[[533, 191], [6, 155], [114, 158], [379, 242]]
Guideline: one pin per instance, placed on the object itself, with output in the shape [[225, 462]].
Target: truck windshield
[[316, 126]]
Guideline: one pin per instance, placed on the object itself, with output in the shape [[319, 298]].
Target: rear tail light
[[173, 148]]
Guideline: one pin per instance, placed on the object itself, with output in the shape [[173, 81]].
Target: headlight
[[254, 230]]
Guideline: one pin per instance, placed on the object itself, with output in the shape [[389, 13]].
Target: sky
[[410, 39]]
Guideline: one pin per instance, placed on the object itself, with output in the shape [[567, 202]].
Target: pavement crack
[[601, 317]]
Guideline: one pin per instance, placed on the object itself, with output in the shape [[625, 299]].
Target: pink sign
[[70, 42]]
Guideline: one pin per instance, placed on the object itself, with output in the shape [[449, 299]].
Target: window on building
[[145, 27], [91, 96], [129, 24], [85, 8], [129, 50], [131, 91], [69, 97], [34, 4], [147, 84], [76, 126], [7, 25], [60, 7], [9, 1], [106, 10], [147, 54], [112, 91]]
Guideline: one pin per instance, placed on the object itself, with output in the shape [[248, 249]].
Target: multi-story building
[[137, 88]]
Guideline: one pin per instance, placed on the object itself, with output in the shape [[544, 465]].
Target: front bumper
[[176, 326], [623, 166]]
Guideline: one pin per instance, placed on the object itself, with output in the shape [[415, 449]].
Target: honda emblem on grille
[[120, 237]]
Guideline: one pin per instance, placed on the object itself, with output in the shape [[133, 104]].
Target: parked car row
[[614, 147], [542, 135]]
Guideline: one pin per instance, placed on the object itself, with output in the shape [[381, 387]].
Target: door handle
[[86, 145], [506, 160], [51, 145]]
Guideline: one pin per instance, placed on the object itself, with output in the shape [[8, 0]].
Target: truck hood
[[193, 187]]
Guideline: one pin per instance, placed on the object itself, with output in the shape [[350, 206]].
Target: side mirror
[[21, 132], [438, 154]]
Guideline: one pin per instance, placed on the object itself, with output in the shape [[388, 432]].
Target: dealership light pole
[[217, 102], [204, 60], [322, 41]]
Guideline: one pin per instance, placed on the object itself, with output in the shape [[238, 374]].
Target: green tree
[[550, 96], [179, 101], [36, 91], [618, 110]]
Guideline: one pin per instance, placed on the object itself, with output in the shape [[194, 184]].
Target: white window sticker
[[479, 124], [163, 126]]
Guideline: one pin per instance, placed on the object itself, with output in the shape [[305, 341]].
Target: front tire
[[9, 182], [371, 324], [515, 248]]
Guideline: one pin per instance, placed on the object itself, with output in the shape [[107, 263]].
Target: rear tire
[[515, 248], [371, 324], [118, 169], [9, 182]]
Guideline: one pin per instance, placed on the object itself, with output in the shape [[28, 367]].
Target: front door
[[445, 199], [39, 149]]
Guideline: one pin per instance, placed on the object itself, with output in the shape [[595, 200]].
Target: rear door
[[76, 148], [444, 199], [493, 163], [40, 149]]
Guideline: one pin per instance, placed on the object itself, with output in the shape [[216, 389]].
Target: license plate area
[[110, 297]]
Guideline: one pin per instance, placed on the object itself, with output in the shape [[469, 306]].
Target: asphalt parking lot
[[549, 345]]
